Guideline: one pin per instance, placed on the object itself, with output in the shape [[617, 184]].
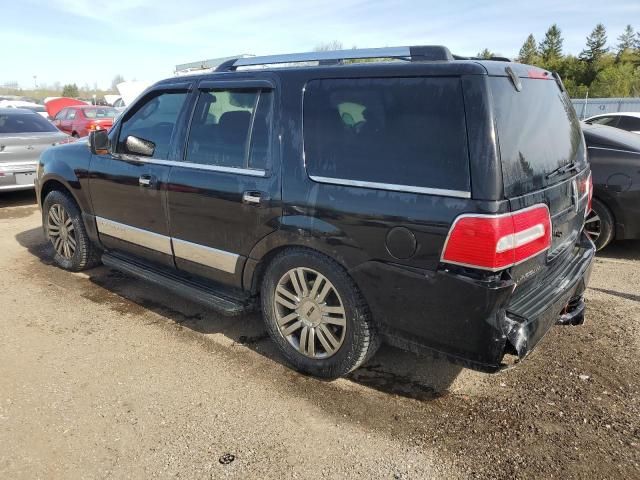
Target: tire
[[335, 320], [75, 135], [600, 224], [73, 249]]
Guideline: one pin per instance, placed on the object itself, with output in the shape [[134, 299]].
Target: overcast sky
[[87, 41]]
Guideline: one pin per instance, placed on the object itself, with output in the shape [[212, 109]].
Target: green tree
[[551, 47], [626, 41], [596, 44], [529, 51], [486, 54], [70, 90], [617, 80]]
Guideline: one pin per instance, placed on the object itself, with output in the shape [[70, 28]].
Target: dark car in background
[[79, 120], [432, 202], [614, 155], [629, 121], [24, 135]]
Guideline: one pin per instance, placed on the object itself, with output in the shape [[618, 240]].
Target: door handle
[[252, 197], [145, 180]]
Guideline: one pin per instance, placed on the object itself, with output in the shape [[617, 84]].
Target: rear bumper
[[470, 321], [17, 177]]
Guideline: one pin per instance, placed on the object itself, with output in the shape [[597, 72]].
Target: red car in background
[[79, 120]]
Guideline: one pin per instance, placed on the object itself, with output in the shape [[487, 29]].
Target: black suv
[[426, 200]]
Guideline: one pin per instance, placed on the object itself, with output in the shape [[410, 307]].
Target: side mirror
[[140, 146], [99, 142]]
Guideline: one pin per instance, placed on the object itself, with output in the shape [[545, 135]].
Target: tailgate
[[543, 158]]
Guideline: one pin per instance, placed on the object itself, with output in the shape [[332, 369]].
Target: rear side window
[[25, 123], [230, 128], [631, 124], [401, 132], [538, 132], [71, 114]]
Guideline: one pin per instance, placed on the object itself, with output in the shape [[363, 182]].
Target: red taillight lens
[[94, 126], [496, 242], [589, 194]]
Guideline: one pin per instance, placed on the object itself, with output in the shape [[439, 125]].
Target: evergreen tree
[[551, 47], [529, 50], [70, 90], [485, 54], [596, 44], [627, 40]]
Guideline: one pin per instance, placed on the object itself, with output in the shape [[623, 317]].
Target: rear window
[[100, 112], [399, 132], [24, 123], [538, 131]]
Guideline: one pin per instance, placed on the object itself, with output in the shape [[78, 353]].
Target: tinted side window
[[402, 131], [629, 123], [71, 114], [154, 120], [610, 121], [61, 114], [221, 132]]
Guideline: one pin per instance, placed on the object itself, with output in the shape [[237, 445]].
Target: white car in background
[[34, 107], [629, 121]]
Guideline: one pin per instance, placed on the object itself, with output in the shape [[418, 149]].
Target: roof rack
[[413, 54]]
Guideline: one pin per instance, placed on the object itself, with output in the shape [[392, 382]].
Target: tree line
[[600, 70]]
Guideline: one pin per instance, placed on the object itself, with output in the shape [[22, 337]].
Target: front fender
[[67, 165]]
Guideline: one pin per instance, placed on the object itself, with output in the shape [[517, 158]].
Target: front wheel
[[65, 230], [316, 315]]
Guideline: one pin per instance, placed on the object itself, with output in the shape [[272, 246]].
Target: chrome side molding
[[193, 252]]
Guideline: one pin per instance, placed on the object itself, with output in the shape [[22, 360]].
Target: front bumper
[[470, 321]]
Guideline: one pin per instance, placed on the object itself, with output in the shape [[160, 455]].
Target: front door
[[128, 185], [224, 196]]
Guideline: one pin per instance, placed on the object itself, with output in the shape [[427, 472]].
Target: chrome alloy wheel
[[61, 231], [310, 313], [592, 225]]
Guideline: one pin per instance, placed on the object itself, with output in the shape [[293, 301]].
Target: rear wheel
[[599, 225], [316, 314], [66, 232]]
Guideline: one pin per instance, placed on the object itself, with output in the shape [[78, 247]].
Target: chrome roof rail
[[416, 53]]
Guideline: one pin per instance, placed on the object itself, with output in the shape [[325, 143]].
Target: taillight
[[94, 126], [589, 194], [496, 242]]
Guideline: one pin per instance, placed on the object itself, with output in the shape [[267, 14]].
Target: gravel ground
[[103, 376]]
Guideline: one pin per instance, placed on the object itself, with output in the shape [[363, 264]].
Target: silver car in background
[[24, 135]]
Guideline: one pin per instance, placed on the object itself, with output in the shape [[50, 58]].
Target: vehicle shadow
[[391, 370], [18, 199], [622, 250]]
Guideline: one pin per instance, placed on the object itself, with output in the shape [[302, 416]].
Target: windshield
[[100, 112], [24, 123], [538, 132]]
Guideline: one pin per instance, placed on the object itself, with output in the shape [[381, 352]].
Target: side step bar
[[216, 299]]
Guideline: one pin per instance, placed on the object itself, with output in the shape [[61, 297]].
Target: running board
[[215, 298]]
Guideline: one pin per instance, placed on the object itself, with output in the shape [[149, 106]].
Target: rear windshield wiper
[[563, 169]]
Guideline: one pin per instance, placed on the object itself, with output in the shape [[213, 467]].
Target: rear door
[[543, 158], [128, 189], [224, 195], [58, 120]]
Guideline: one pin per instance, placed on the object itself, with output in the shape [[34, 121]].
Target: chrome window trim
[[614, 150], [392, 187], [138, 236], [207, 256], [198, 166]]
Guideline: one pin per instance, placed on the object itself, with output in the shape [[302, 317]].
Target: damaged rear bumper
[[558, 299]]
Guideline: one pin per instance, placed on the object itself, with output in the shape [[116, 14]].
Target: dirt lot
[[102, 376]]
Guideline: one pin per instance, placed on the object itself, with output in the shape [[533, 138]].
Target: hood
[[129, 91], [57, 104]]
